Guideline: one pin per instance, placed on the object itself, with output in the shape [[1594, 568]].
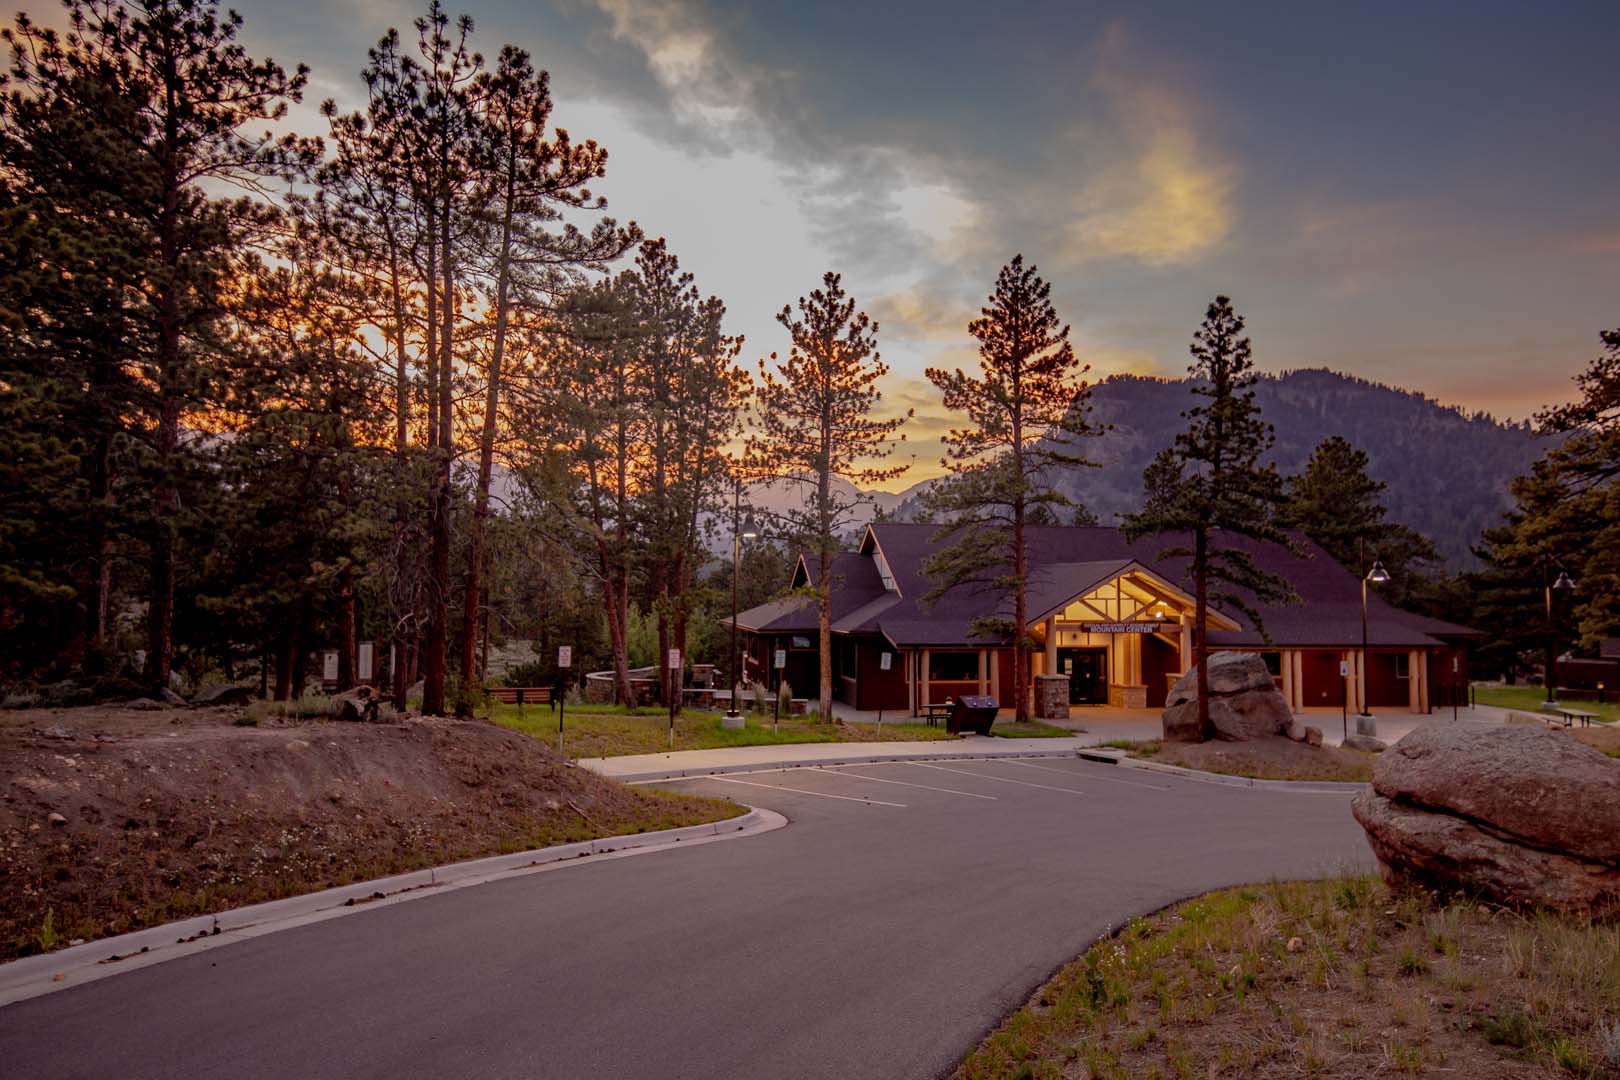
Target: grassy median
[[1259, 759], [612, 730], [1335, 978]]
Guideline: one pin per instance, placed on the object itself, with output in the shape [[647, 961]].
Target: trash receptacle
[[974, 713]]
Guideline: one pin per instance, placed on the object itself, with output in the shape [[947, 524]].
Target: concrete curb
[[1303, 787], [822, 763], [33, 976]]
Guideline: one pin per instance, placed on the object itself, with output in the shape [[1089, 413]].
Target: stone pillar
[[1051, 697]]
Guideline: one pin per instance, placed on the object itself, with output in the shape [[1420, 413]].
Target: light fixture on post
[[740, 530], [1365, 725], [1562, 584]]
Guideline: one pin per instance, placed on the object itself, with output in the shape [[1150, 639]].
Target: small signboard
[[1344, 669], [1122, 627], [779, 661], [368, 661], [565, 656], [329, 667], [885, 661], [674, 659]]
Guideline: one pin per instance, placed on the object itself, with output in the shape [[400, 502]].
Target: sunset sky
[[1420, 194]]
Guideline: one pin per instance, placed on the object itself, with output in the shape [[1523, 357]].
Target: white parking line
[[907, 783], [799, 791], [1088, 775], [1000, 779]]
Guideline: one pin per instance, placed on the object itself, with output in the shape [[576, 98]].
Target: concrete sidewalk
[[807, 755], [1098, 729]]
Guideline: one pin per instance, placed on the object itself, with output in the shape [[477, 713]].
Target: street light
[[1377, 575], [1563, 583], [740, 530]]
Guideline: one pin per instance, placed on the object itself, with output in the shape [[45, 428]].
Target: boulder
[[1520, 814], [1313, 736], [1367, 743], [357, 704], [225, 694], [1244, 702], [1296, 731]]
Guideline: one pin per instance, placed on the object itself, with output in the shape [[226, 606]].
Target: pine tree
[[816, 422], [525, 256], [1211, 483], [1025, 409], [1337, 504], [164, 92]]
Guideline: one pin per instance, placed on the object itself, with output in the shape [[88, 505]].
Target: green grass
[[1030, 729], [603, 731], [1331, 978], [1530, 699]]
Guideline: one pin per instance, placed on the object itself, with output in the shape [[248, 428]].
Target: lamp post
[[1548, 584], [739, 531], [1377, 575]]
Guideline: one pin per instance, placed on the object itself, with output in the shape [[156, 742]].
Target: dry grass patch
[[1261, 759], [1323, 979], [589, 733]]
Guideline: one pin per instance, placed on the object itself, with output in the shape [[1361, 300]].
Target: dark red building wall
[[1320, 674], [881, 689]]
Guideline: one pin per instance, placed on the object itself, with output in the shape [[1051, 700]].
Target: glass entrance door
[[1087, 670]]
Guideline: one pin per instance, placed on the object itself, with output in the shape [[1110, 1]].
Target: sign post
[[1344, 694], [778, 661], [565, 660], [674, 691], [885, 663]]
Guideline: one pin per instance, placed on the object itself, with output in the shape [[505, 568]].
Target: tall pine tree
[[1027, 405], [816, 422], [1210, 483]]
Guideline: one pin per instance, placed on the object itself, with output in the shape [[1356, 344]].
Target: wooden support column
[[922, 680], [995, 675], [911, 680], [1050, 654], [1186, 644], [1414, 687], [984, 674], [1299, 680], [1290, 684]]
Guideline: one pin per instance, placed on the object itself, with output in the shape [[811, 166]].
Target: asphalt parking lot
[[903, 911]]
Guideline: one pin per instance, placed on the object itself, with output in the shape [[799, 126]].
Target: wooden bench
[[937, 713], [522, 695]]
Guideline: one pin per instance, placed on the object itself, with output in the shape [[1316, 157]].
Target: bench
[[937, 713], [521, 695]]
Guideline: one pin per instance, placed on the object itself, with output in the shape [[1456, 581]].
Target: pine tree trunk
[[346, 618], [437, 645], [285, 651], [1200, 625], [1020, 618], [160, 614]]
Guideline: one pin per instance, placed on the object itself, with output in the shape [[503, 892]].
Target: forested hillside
[[1448, 471]]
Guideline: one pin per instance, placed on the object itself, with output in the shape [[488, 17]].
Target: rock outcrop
[[357, 704], [1244, 702], [1516, 813]]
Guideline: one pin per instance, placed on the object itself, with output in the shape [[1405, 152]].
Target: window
[[953, 666], [1403, 665], [883, 570], [1273, 662]]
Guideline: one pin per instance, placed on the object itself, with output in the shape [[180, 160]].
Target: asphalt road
[[880, 934]]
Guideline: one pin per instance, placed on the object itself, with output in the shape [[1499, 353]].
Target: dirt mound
[[112, 820]]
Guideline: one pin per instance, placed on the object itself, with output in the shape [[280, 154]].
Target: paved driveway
[[906, 908]]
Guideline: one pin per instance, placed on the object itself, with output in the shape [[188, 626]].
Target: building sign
[[800, 642], [886, 661], [674, 659], [565, 656], [781, 659], [1122, 627]]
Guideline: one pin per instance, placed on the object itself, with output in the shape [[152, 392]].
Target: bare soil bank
[[112, 820]]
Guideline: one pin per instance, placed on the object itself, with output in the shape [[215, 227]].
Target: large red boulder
[[1515, 812], [1244, 702]]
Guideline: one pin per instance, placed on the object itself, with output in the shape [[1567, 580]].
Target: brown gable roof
[[1071, 560]]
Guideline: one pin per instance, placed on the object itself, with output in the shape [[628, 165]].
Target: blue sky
[[1420, 194]]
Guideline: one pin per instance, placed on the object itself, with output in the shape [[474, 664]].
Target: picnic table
[[1571, 715]]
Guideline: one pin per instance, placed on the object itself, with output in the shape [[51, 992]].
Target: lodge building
[[1109, 613]]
